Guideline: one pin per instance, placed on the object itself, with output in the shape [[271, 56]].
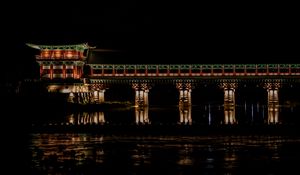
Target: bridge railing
[[163, 70]]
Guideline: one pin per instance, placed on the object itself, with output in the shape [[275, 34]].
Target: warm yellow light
[[69, 54], [45, 53], [57, 53]]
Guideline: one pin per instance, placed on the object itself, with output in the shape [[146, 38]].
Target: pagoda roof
[[81, 46]]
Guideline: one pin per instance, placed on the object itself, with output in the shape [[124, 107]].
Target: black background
[[153, 32]]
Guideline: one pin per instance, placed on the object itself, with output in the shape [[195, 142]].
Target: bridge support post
[[185, 91], [101, 96], [84, 94], [185, 102], [273, 101], [229, 102], [98, 92], [141, 93], [71, 97], [77, 94]]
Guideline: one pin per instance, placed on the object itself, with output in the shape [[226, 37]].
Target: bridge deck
[[194, 70]]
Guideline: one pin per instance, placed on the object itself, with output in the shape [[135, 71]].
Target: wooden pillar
[[91, 71], [74, 71], [64, 71], [51, 71], [41, 70], [229, 102]]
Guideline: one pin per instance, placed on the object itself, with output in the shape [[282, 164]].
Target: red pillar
[[41, 70], [74, 53], [234, 73], [102, 71], [79, 72], [74, 71], [201, 70], [51, 71], [223, 71], [64, 71], [256, 70], [81, 54], [92, 72], [146, 71]]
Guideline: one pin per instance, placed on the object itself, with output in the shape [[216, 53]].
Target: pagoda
[[61, 61]]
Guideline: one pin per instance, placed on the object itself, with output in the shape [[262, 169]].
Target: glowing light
[[69, 54], [45, 54], [185, 161], [141, 115], [65, 90], [57, 53]]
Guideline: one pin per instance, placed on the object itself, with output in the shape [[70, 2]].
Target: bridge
[[75, 70], [194, 70]]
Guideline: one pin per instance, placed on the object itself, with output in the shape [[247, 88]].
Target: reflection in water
[[209, 114], [230, 160], [86, 118], [51, 152], [213, 114], [141, 115], [185, 112], [229, 113], [273, 113], [98, 154], [185, 157], [252, 113]]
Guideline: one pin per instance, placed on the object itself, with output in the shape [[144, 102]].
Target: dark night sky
[[157, 32]]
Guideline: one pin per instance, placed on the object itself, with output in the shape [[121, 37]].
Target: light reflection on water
[[102, 154], [227, 114], [95, 117], [81, 153]]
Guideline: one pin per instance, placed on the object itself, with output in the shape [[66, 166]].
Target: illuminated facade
[[67, 61], [94, 76], [61, 61]]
